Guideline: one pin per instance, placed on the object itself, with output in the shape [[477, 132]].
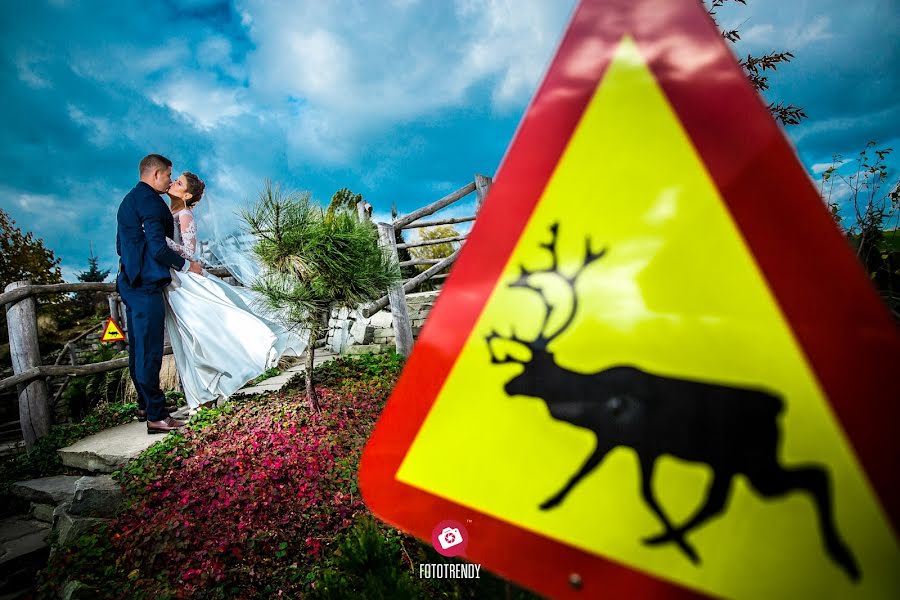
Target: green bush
[[87, 391], [377, 368]]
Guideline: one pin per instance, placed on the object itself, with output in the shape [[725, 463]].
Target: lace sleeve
[[188, 232], [177, 248]]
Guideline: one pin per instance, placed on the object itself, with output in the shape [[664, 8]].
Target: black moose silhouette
[[733, 430]]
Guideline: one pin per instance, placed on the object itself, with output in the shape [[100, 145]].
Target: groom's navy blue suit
[[144, 223]]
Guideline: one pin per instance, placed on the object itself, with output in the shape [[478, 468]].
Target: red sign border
[[817, 282]]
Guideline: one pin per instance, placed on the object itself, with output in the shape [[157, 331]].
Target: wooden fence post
[[21, 320], [482, 185], [116, 316], [396, 295], [363, 211]]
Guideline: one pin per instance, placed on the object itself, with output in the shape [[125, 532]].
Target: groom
[[144, 223]]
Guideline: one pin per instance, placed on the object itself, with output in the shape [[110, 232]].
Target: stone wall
[[350, 332]]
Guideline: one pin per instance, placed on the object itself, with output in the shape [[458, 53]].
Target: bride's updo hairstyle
[[195, 187]]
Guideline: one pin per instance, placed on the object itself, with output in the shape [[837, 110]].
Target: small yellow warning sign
[[112, 332]]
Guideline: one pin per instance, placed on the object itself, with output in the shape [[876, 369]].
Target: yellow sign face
[[112, 333], [677, 298]]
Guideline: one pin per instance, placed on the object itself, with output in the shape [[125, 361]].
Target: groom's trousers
[[145, 311]]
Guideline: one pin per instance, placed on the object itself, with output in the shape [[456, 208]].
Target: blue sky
[[400, 100]]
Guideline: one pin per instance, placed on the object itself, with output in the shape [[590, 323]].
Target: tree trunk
[[310, 356], [34, 411]]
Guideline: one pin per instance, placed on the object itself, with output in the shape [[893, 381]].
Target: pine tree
[[315, 260], [93, 274]]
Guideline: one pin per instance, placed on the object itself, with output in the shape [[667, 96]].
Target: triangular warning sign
[[112, 332], [657, 369]]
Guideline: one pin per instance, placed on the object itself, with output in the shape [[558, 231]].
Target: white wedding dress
[[222, 336]]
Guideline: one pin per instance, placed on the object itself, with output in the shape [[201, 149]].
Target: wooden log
[[420, 261], [396, 296], [411, 284], [482, 185], [21, 321], [440, 222], [115, 315], [364, 211], [16, 294], [42, 371], [448, 240], [447, 200]]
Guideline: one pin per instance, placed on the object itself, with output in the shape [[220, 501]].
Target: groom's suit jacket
[[144, 223]]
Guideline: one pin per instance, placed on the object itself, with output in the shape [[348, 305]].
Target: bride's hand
[[196, 268]]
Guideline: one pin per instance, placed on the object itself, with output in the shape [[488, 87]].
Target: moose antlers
[[524, 282]]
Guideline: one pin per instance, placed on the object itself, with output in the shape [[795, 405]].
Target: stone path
[[274, 384], [108, 450]]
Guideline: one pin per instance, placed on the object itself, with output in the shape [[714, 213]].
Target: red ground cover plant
[[251, 507]]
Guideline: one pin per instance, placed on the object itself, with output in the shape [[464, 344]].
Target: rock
[[97, 496], [363, 348], [361, 333], [42, 512], [339, 340], [108, 450], [47, 490], [68, 527], [382, 320], [343, 312]]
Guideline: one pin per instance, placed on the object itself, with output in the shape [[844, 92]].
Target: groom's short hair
[[153, 162]]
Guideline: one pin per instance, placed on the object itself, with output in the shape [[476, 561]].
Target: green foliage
[[755, 68], [435, 251], [22, 256], [854, 190], [367, 563], [267, 374], [375, 561], [92, 555], [87, 391], [343, 200], [343, 370], [93, 274]]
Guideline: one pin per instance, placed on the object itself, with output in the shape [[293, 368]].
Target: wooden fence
[[396, 296]]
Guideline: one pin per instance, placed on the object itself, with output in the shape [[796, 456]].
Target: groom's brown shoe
[[142, 414], [165, 426]]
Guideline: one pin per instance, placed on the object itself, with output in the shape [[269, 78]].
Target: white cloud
[[803, 35], [758, 34], [201, 99], [26, 69], [352, 69]]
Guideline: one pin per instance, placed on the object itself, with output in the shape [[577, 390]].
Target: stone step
[[46, 490], [23, 551], [110, 449]]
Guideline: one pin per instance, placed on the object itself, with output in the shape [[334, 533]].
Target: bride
[[222, 336]]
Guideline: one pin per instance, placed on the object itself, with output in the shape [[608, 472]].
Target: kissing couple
[[222, 336]]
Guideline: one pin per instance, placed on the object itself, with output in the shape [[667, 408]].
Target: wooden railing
[[396, 296], [29, 375]]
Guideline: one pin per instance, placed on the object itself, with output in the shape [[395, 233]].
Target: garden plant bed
[[258, 499]]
